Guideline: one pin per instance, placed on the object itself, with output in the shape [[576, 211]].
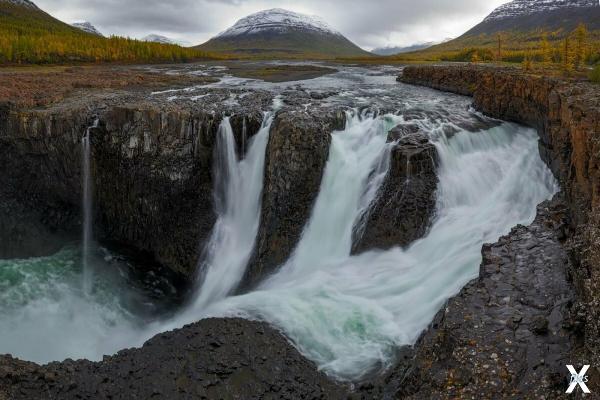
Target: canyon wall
[[567, 117], [152, 173]]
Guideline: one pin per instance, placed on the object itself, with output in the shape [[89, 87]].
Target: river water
[[346, 313]]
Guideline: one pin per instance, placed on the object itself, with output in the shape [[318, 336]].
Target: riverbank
[[567, 118]]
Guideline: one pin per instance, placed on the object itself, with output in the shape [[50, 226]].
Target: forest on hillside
[[33, 37]]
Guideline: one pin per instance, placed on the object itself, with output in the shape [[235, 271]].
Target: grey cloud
[[369, 23]]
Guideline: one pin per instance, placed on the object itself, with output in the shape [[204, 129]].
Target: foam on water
[[349, 313], [346, 313]]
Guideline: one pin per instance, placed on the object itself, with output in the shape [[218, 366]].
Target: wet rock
[[253, 362], [471, 350], [567, 116], [151, 166], [406, 202], [539, 325], [296, 156]]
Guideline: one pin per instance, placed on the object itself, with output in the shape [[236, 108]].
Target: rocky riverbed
[[508, 332]]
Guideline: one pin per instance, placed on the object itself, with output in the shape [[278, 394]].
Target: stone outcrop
[[509, 332], [406, 202], [151, 166], [567, 117], [296, 156], [212, 359]]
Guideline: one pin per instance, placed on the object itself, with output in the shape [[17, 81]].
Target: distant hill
[[87, 27], [158, 39], [284, 34], [393, 50], [30, 35]]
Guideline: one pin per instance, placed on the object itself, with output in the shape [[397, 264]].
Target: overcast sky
[[369, 23]]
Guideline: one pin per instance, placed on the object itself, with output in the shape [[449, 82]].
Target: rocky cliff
[[296, 155], [152, 169], [406, 203], [567, 117]]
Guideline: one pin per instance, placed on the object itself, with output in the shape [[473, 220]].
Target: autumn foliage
[[29, 36]]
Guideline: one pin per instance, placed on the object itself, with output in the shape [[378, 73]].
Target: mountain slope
[[158, 39], [282, 33], [28, 35], [521, 23], [87, 27], [530, 15]]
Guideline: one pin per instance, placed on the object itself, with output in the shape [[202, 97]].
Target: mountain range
[[283, 33]]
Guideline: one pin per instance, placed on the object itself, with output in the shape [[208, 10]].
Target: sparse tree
[[545, 49], [528, 60], [500, 38], [581, 45], [567, 57]]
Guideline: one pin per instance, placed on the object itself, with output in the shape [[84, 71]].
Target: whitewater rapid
[[347, 313], [350, 313]]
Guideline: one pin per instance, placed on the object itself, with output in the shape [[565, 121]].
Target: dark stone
[[539, 325], [471, 350], [296, 156], [405, 205], [253, 361]]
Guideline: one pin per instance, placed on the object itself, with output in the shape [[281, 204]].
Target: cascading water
[[346, 313], [87, 205], [238, 193], [349, 313]]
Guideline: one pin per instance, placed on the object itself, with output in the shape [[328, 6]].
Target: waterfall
[[349, 313], [238, 194], [357, 164], [87, 207]]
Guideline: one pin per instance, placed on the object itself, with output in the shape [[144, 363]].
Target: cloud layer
[[373, 23]]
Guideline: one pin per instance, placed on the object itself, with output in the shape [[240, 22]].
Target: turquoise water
[[46, 314]]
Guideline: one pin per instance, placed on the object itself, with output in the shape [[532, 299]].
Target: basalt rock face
[[567, 117], [153, 180], [406, 201], [212, 359], [296, 156], [151, 169], [39, 194]]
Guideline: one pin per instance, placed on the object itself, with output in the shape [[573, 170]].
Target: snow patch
[[517, 8], [87, 27], [278, 20], [23, 3], [158, 39]]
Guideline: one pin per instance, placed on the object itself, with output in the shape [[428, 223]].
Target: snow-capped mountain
[[87, 27], [23, 3], [528, 16], [284, 34], [158, 39], [393, 50], [280, 20], [525, 7]]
